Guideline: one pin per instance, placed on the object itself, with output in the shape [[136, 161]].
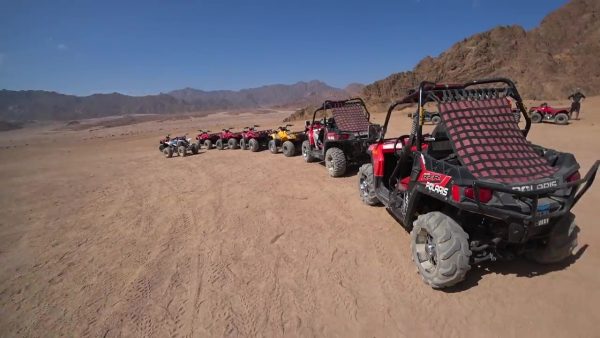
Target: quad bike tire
[[306, 152], [561, 243], [254, 145], [168, 151], [182, 151], [273, 147], [335, 162], [561, 118], [243, 144], [366, 185], [161, 147], [288, 149], [232, 143], [208, 144], [436, 119], [440, 250], [219, 144], [536, 117], [194, 148]]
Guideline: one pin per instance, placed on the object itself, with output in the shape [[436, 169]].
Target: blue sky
[[145, 47]]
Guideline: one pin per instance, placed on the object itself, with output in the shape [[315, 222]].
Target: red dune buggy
[[475, 189]]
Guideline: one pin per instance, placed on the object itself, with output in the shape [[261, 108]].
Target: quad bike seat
[[489, 143]]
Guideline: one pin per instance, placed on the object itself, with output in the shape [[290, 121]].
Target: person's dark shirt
[[576, 97]]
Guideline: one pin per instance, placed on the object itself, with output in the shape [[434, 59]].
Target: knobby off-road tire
[[273, 147], [168, 151], [306, 152], [208, 144], [561, 243], [561, 118], [366, 185], [254, 145], [243, 144], [536, 117], [194, 148], [440, 250], [161, 147], [288, 149], [436, 119], [232, 143], [219, 144], [335, 162], [182, 151]]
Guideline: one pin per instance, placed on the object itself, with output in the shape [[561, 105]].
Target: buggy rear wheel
[[168, 151], [207, 144], [181, 151], [436, 119], [254, 145], [440, 249], [243, 145], [366, 185], [273, 147], [219, 144], [561, 118], [536, 117], [561, 243], [306, 152], [288, 149], [335, 161]]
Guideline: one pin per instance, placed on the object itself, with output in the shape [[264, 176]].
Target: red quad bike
[[228, 138], [545, 113], [475, 189], [341, 139], [206, 138], [254, 139]]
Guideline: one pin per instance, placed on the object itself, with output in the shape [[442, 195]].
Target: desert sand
[[102, 236]]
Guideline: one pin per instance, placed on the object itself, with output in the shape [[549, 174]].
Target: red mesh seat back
[[489, 143], [351, 117]]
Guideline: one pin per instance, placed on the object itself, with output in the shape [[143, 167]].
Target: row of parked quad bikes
[[473, 190]]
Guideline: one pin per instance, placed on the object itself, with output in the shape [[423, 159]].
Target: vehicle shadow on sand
[[519, 267]]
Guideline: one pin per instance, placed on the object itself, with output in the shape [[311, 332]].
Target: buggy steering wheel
[[401, 140]]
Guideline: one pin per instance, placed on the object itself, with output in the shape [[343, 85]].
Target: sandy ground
[[102, 236]]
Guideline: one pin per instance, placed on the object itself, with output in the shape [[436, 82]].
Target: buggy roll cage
[[336, 104], [433, 92]]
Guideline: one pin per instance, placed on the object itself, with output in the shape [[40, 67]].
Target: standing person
[[576, 98]]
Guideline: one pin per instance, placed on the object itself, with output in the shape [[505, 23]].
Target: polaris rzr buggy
[[475, 189], [342, 137]]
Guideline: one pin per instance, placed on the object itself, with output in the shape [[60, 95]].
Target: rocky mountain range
[[44, 105], [547, 62]]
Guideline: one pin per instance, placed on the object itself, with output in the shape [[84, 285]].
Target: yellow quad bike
[[290, 142]]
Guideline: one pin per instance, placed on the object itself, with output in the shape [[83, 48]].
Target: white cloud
[[61, 46]]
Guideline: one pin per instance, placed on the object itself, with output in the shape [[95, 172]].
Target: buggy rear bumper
[[566, 203]]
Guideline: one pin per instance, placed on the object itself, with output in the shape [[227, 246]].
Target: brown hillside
[[547, 62]]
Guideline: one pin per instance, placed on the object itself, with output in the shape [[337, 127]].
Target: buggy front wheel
[[273, 146], [440, 249], [306, 152], [366, 185], [253, 145], [335, 161], [536, 117]]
